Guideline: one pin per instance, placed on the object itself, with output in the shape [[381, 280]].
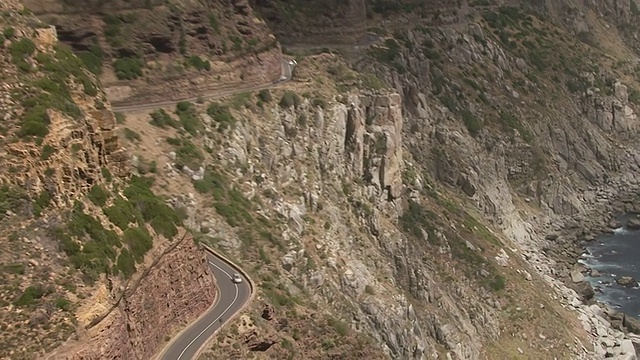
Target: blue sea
[[612, 256]]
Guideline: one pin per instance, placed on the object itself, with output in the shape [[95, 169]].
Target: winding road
[[287, 71], [230, 299]]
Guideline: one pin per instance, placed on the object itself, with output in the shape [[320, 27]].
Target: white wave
[[620, 231]]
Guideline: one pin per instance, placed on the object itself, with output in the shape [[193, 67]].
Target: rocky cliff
[[83, 239], [424, 201], [315, 22], [142, 321], [496, 124], [348, 235]]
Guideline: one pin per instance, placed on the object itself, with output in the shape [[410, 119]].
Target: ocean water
[[615, 255]]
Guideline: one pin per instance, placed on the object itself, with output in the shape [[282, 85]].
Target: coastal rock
[[614, 224], [631, 324], [552, 236], [583, 289], [576, 276], [628, 350], [633, 223], [627, 281]]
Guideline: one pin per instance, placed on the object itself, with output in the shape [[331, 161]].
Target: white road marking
[[216, 320]]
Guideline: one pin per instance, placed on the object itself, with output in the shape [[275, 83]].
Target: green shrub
[[230, 203], [512, 122], [265, 95], [20, 50], [126, 264], [31, 295], [213, 182], [290, 99], [162, 218], [368, 289], [371, 81], [415, 219], [63, 304], [174, 141], [51, 90], [199, 63], [14, 268], [42, 201], [497, 283], [161, 118], [189, 119], [128, 68], [188, 154], [106, 174], [222, 115], [121, 213], [9, 32], [120, 118], [99, 244], [11, 198], [214, 23], [98, 195], [339, 326], [88, 86], [471, 122], [46, 152], [131, 135], [93, 58], [139, 242]]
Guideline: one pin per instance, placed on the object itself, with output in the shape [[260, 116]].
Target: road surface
[[287, 70], [230, 299]]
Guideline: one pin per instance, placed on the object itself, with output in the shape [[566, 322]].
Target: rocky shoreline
[[615, 335]]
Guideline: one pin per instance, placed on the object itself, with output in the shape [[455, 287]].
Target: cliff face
[[422, 205], [151, 51], [78, 231], [347, 232], [315, 22], [174, 291]]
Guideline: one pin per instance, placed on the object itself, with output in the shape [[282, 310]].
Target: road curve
[[230, 299], [287, 70]]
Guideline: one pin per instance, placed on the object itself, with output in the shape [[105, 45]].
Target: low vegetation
[[221, 115], [189, 118], [95, 250]]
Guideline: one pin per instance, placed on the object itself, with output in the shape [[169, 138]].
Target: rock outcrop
[[316, 21], [172, 293]]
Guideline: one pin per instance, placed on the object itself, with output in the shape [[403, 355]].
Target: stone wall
[[177, 290]]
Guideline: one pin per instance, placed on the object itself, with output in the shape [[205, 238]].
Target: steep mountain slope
[[146, 51], [424, 201], [76, 229]]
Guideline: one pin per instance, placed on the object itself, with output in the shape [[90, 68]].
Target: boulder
[[614, 224], [583, 289], [576, 276], [627, 281], [631, 324], [551, 236], [634, 223]]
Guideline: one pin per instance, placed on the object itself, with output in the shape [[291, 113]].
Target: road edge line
[[160, 354], [252, 285]]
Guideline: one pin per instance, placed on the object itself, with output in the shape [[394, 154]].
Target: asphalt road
[[230, 298], [287, 70]]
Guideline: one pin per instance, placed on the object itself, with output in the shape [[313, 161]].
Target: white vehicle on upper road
[[236, 278]]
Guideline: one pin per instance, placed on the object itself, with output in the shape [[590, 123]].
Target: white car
[[236, 278]]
